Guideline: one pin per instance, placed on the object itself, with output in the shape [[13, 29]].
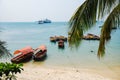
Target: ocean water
[[21, 34]]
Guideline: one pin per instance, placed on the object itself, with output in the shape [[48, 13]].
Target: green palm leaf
[[105, 6], [87, 14], [82, 20], [3, 50], [112, 21]]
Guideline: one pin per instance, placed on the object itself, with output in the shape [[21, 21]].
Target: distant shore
[[46, 73]]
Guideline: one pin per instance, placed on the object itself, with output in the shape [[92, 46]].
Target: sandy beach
[[48, 73]]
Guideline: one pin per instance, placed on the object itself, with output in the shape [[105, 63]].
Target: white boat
[[40, 22], [44, 21], [47, 21]]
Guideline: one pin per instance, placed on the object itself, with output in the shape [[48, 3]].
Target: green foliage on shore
[[8, 70]]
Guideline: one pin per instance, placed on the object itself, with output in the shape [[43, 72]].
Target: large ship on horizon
[[44, 21]]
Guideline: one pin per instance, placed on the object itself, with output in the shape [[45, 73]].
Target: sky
[[34, 10]]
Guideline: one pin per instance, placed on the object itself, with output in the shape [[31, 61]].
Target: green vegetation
[[87, 14], [8, 70], [3, 49]]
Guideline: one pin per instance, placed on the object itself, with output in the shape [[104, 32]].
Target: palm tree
[[87, 14], [4, 52], [3, 49]]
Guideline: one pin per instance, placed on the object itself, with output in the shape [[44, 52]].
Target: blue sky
[[33, 10]]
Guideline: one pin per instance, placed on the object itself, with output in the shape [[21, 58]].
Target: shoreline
[[60, 73]]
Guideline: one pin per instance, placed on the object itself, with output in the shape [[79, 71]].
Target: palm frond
[[85, 17], [105, 6], [1, 44], [113, 20], [4, 50], [82, 20]]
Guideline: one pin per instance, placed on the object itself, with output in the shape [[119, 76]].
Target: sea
[[21, 34]]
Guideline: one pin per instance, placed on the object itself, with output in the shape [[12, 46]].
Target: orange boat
[[40, 53], [22, 55]]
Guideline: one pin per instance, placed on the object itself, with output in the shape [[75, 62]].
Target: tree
[[3, 49], [4, 52], [87, 14]]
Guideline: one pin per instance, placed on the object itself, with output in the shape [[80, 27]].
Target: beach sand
[[48, 73]]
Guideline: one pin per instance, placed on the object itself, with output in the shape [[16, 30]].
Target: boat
[[62, 38], [90, 36], [52, 39], [40, 22], [22, 55], [57, 38], [44, 21], [114, 27], [61, 44], [47, 21], [40, 53]]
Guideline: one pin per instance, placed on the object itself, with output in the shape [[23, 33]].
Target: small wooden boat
[[61, 44], [52, 39], [22, 55], [63, 38], [112, 27], [57, 38], [40, 53], [91, 37]]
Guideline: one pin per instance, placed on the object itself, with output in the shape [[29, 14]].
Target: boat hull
[[91, 37], [22, 58], [61, 44], [40, 56]]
